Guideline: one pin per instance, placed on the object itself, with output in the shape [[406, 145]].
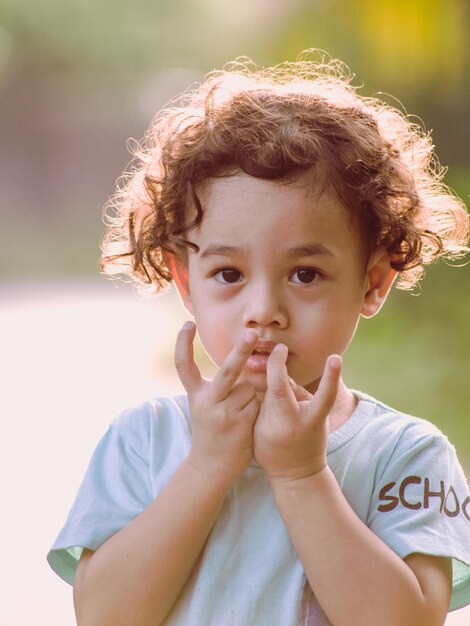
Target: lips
[[258, 360], [264, 347]]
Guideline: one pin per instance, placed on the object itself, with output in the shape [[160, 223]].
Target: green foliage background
[[78, 78]]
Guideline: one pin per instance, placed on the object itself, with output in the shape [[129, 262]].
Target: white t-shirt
[[399, 474]]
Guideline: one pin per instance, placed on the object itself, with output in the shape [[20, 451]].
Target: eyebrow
[[313, 249]]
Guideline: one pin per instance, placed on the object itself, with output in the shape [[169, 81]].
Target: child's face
[[281, 259]]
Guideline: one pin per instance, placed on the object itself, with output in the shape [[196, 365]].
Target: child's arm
[[136, 576], [357, 579]]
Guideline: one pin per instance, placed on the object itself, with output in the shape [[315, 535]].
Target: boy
[[283, 206]]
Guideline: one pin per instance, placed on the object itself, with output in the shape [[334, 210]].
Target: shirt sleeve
[[115, 489], [421, 504]]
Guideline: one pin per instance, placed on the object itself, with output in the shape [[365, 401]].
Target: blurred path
[[72, 356]]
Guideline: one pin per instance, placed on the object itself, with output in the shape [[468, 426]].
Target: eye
[[228, 276], [304, 276]]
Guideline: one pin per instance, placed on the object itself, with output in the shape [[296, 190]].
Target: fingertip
[[335, 362], [185, 337], [277, 362], [250, 335], [278, 354], [187, 332], [188, 325]]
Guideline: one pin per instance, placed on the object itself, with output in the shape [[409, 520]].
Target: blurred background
[[78, 80]]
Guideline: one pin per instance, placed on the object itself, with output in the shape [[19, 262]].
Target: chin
[[258, 379]]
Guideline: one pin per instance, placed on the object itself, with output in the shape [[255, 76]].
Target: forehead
[[242, 207]]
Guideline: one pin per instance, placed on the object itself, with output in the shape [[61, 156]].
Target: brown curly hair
[[278, 124]]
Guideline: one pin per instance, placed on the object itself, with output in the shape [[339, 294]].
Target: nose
[[265, 306]]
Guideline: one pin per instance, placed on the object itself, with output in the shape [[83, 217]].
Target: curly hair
[[278, 124]]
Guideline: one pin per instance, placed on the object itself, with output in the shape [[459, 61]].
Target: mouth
[[264, 347], [258, 360]]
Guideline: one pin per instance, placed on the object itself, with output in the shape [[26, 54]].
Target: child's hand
[[291, 430], [223, 410]]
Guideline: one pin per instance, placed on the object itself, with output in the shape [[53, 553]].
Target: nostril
[[261, 312]]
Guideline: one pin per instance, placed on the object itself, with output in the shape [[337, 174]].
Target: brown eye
[[305, 276], [228, 276]]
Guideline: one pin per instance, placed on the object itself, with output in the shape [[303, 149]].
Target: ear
[[179, 272], [379, 280]]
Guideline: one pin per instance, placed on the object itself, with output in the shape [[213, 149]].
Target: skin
[[276, 301], [295, 274]]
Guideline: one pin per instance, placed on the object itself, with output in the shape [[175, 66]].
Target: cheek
[[214, 334], [345, 328], [330, 326]]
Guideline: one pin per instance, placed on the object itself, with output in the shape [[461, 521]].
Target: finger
[[231, 368], [250, 411], [300, 393], [325, 396], [278, 380], [187, 369], [241, 394]]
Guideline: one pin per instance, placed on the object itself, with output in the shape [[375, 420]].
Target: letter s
[[392, 500]]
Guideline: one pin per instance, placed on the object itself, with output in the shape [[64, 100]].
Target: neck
[[343, 408]]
